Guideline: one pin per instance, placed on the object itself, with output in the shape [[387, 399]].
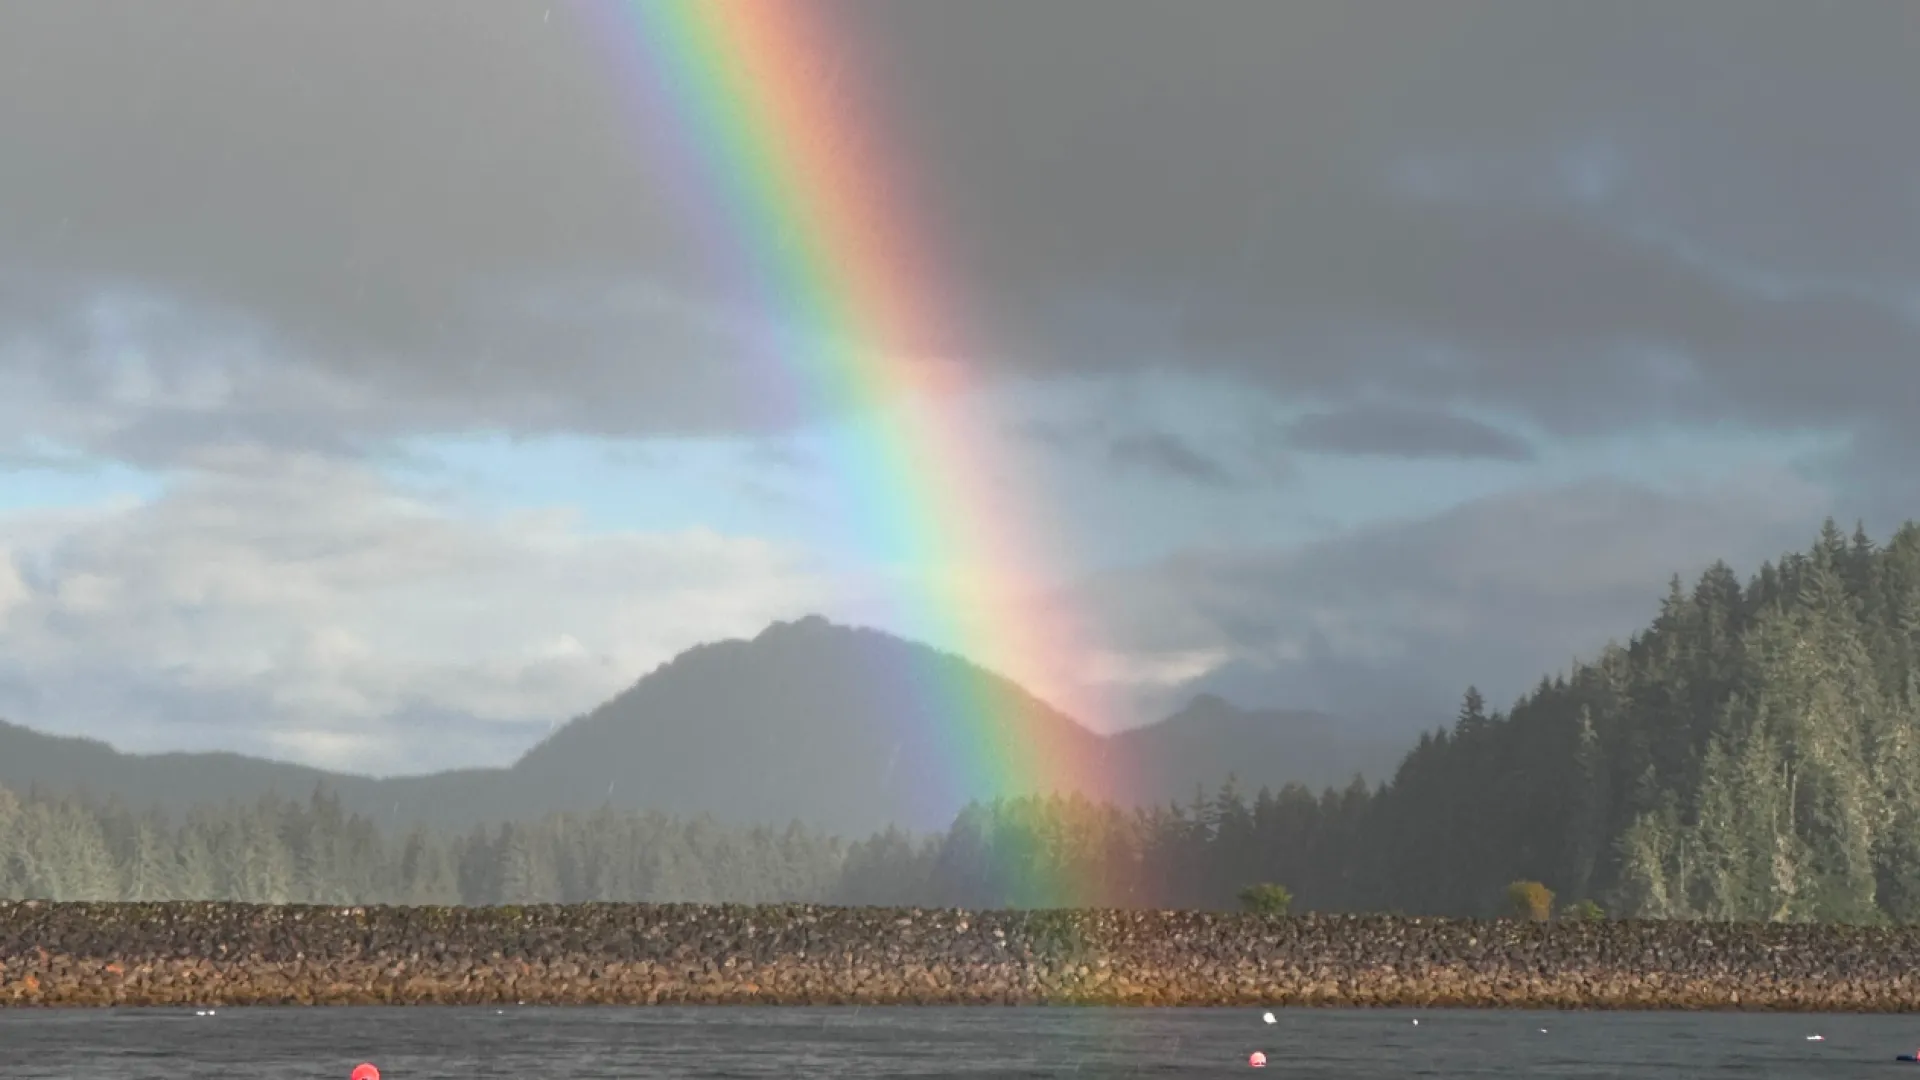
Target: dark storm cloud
[[1506, 201], [1402, 432], [1591, 215]]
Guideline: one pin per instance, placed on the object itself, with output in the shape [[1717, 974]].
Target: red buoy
[[365, 1071], [1257, 1059]]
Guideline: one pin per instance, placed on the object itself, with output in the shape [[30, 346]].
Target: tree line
[[1026, 852], [1754, 753]]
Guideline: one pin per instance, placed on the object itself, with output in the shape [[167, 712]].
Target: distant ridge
[[809, 721]]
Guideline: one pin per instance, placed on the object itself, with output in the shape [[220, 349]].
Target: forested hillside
[[1753, 754], [1022, 853]]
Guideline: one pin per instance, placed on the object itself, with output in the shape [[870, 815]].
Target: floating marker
[[365, 1071], [1257, 1059], [1268, 1017], [1816, 1038]]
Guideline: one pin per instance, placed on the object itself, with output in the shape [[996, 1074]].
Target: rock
[[232, 954]]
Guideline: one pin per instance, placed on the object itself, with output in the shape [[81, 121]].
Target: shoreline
[[230, 955]]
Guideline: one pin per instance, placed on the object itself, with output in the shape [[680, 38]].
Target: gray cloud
[[147, 379], [1161, 452], [1403, 432], [1217, 459], [1595, 218], [1392, 622], [317, 227]]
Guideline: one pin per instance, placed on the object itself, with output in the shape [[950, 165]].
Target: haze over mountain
[[843, 728]]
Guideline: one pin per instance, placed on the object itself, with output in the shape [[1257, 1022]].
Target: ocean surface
[[579, 1043]]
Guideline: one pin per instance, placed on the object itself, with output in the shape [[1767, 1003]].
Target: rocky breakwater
[[234, 954]]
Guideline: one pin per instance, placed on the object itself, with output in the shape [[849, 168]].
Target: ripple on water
[[602, 1044]]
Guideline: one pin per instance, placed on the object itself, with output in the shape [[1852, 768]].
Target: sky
[[367, 398]]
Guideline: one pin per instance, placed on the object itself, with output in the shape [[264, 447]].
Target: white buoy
[[1268, 1017]]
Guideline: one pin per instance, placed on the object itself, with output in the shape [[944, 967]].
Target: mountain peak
[[844, 727], [805, 624], [1209, 702]]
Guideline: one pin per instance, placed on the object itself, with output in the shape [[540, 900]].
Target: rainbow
[[780, 162]]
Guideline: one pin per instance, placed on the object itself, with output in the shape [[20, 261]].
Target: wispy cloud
[[287, 599], [1403, 432]]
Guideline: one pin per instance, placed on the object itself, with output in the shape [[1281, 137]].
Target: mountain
[[840, 727], [843, 728], [32, 760], [59, 763], [1211, 739]]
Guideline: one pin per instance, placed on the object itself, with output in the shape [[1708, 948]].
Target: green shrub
[[1266, 899], [1586, 911]]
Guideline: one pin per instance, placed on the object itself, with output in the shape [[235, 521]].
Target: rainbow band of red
[[759, 113]]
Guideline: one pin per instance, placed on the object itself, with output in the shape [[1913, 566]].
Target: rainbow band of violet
[[756, 111]]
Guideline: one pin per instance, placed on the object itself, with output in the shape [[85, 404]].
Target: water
[[601, 1044]]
